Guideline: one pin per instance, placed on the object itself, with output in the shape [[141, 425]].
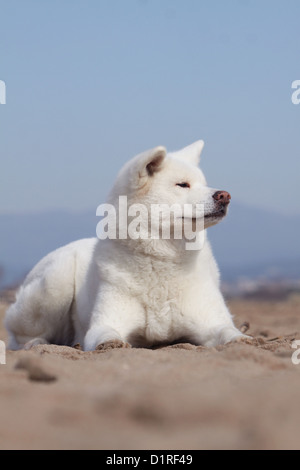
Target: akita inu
[[133, 291]]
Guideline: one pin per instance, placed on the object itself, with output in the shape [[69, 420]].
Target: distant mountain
[[253, 242], [25, 239], [250, 242]]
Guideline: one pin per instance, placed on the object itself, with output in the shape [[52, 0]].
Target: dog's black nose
[[222, 197]]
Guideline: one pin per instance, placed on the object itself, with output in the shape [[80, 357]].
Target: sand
[[238, 396]]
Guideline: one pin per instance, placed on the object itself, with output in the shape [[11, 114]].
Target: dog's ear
[[137, 173], [191, 153], [151, 161]]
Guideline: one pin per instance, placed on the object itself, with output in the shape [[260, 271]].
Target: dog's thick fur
[[127, 291]]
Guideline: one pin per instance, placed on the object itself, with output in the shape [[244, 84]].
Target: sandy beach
[[238, 396]]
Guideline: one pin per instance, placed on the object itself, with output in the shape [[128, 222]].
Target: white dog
[[136, 291]]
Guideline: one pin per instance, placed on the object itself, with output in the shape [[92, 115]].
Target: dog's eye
[[183, 185]]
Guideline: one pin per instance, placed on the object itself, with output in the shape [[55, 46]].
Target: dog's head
[[172, 180]]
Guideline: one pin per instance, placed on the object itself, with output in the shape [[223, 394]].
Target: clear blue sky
[[91, 83]]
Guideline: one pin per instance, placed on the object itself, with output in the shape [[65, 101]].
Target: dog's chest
[[161, 298]]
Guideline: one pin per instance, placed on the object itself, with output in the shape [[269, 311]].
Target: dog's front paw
[[113, 344]]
